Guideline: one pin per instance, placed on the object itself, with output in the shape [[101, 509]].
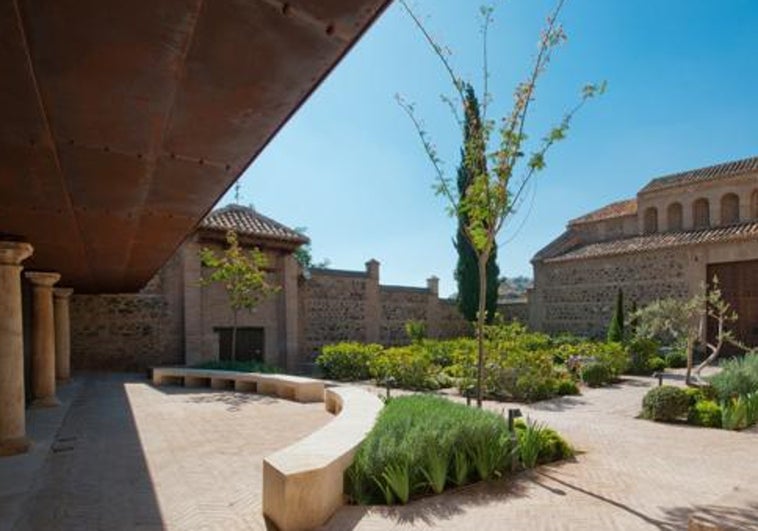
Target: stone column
[[12, 415], [61, 297], [43, 339], [290, 271]]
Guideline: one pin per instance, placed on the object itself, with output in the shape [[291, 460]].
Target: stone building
[[674, 236], [174, 320]]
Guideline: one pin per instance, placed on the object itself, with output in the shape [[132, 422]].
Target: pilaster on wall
[[373, 302], [193, 304], [290, 298], [433, 309]]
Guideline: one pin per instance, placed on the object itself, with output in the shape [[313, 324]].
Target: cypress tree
[[616, 328], [466, 271]]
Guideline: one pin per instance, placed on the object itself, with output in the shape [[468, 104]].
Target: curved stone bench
[[303, 483], [285, 386]]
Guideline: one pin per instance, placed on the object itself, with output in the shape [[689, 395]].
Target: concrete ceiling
[[123, 122]]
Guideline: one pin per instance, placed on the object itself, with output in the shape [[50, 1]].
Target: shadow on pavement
[[96, 475]]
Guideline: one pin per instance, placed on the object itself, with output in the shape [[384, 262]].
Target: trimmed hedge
[[348, 361], [665, 404]]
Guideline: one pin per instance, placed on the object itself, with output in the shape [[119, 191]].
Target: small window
[[701, 214], [754, 205], [730, 209], [674, 215], [651, 220]]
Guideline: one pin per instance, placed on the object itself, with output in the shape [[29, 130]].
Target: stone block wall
[[352, 306], [123, 332], [400, 305], [516, 310], [578, 296]]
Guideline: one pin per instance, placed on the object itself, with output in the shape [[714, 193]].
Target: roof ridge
[[713, 171], [607, 211]]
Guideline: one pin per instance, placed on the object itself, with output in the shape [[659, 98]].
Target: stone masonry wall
[[400, 305], [578, 296], [351, 306], [122, 332], [332, 308]]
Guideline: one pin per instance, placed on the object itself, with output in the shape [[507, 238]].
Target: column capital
[[62, 293], [42, 278], [13, 253]]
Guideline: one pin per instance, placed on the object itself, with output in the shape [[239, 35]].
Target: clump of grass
[[422, 444]]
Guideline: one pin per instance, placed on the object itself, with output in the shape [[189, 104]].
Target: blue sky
[[682, 93]]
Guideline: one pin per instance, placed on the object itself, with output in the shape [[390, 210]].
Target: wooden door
[[249, 343], [739, 287]]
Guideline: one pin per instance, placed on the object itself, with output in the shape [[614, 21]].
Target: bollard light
[[469, 393], [389, 382], [513, 414]]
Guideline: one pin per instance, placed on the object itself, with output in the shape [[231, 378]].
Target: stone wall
[[352, 306], [123, 332], [578, 296], [515, 310], [332, 309]]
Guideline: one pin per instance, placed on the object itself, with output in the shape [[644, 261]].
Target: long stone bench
[[281, 385], [303, 483]]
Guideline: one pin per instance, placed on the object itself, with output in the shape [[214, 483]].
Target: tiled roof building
[[676, 234]]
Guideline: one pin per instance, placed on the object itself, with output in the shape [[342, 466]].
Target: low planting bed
[[423, 444], [729, 401]]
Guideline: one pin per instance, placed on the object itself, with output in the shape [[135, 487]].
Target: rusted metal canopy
[[123, 122]]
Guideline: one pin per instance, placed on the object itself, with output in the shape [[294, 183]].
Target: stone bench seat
[[285, 386], [303, 483]]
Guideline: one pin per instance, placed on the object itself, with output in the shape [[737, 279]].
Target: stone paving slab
[[630, 474], [175, 458], [168, 458]]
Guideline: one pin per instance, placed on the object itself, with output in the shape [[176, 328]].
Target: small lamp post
[[469, 392], [389, 382], [513, 414]]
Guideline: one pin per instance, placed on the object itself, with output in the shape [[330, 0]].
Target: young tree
[[467, 271], [616, 328], [685, 321], [496, 188], [243, 276]]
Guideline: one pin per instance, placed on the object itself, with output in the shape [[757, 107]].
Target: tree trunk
[[234, 337], [690, 348], [480, 319], [715, 350]]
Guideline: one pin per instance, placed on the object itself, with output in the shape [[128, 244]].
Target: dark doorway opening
[[249, 343]]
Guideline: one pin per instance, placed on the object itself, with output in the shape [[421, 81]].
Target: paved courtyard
[[130, 456]]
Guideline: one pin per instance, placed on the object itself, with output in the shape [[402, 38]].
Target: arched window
[[730, 209], [674, 215], [754, 205], [701, 214], [651, 220]]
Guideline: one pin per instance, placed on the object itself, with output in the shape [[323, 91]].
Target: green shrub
[[738, 377], [656, 364], [411, 367], [666, 403], [422, 443], [415, 330], [240, 366], [705, 413], [566, 387], [641, 352], [444, 353], [741, 412], [676, 359], [595, 374], [552, 447], [348, 361]]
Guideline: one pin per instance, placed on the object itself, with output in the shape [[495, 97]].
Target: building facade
[[175, 320], [672, 238]]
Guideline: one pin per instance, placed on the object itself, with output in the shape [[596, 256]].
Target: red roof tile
[[245, 220], [727, 169], [652, 242], [627, 207]]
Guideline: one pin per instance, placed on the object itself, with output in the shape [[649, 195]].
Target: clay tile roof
[[245, 220], [727, 169], [627, 207], [561, 245], [651, 242]]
